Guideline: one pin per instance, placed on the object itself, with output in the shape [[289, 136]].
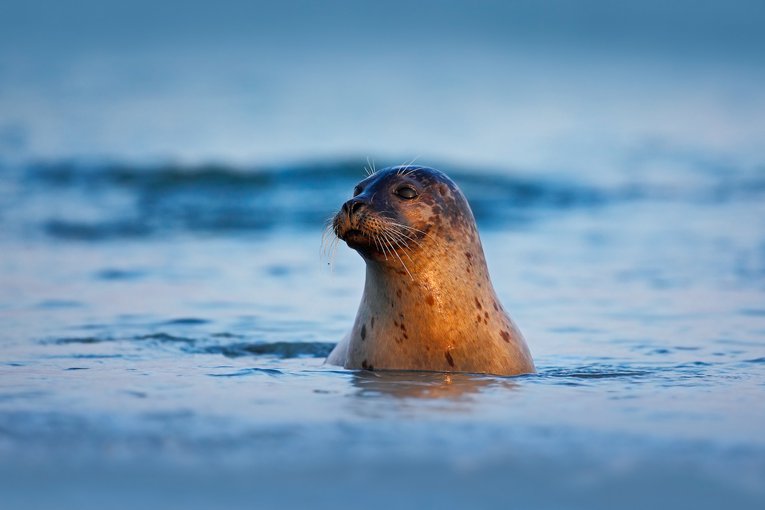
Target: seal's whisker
[[403, 244], [404, 265], [335, 244], [380, 246], [406, 234], [327, 236], [404, 247], [389, 224], [388, 234], [330, 241], [411, 229], [400, 239], [369, 168], [411, 236], [387, 245], [402, 167], [329, 222], [387, 240], [425, 234], [407, 168], [391, 221]]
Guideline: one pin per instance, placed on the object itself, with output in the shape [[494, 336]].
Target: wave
[[283, 350], [278, 349], [119, 201]]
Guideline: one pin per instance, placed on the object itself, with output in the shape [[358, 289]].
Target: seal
[[428, 303]]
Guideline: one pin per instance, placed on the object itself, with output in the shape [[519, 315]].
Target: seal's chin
[[369, 235], [358, 240], [353, 233]]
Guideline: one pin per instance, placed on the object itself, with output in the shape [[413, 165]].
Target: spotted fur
[[427, 284]]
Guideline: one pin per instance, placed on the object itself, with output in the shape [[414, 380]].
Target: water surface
[[164, 329]]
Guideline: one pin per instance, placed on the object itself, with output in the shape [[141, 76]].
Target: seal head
[[428, 302]]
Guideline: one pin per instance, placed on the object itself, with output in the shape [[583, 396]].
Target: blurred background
[[165, 172], [551, 85]]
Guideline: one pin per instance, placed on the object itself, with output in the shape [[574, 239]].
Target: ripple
[[250, 371], [279, 349], [107, 230], [592, 372], [120, 274], [158, 337], [696, 364], [79, 340], [165, 338], [186, 321], [92, 356], [205, 345]]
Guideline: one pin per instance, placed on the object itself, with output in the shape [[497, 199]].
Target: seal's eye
[[356, 190], [406, 191]]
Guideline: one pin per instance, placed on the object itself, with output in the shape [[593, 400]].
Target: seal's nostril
[[352, 206]]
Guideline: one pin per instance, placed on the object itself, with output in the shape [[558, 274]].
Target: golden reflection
[[426, 385]]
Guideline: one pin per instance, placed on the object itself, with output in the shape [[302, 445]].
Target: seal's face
[[394, 209]]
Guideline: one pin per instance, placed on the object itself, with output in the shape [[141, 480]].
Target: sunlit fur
[[428, 302]]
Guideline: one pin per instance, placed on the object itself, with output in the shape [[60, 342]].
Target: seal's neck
[[441, 276], [445, 317]]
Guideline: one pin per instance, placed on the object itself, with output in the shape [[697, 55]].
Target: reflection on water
[[424, 385], [165, 170], [163, 321]]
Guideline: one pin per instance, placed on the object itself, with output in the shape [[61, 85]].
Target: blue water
[[164, 329], [165, 173]]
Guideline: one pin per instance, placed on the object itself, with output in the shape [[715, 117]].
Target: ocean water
[[165, 310], [164, 329]]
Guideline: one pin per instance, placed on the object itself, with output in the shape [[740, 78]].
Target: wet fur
[[428, 302]]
